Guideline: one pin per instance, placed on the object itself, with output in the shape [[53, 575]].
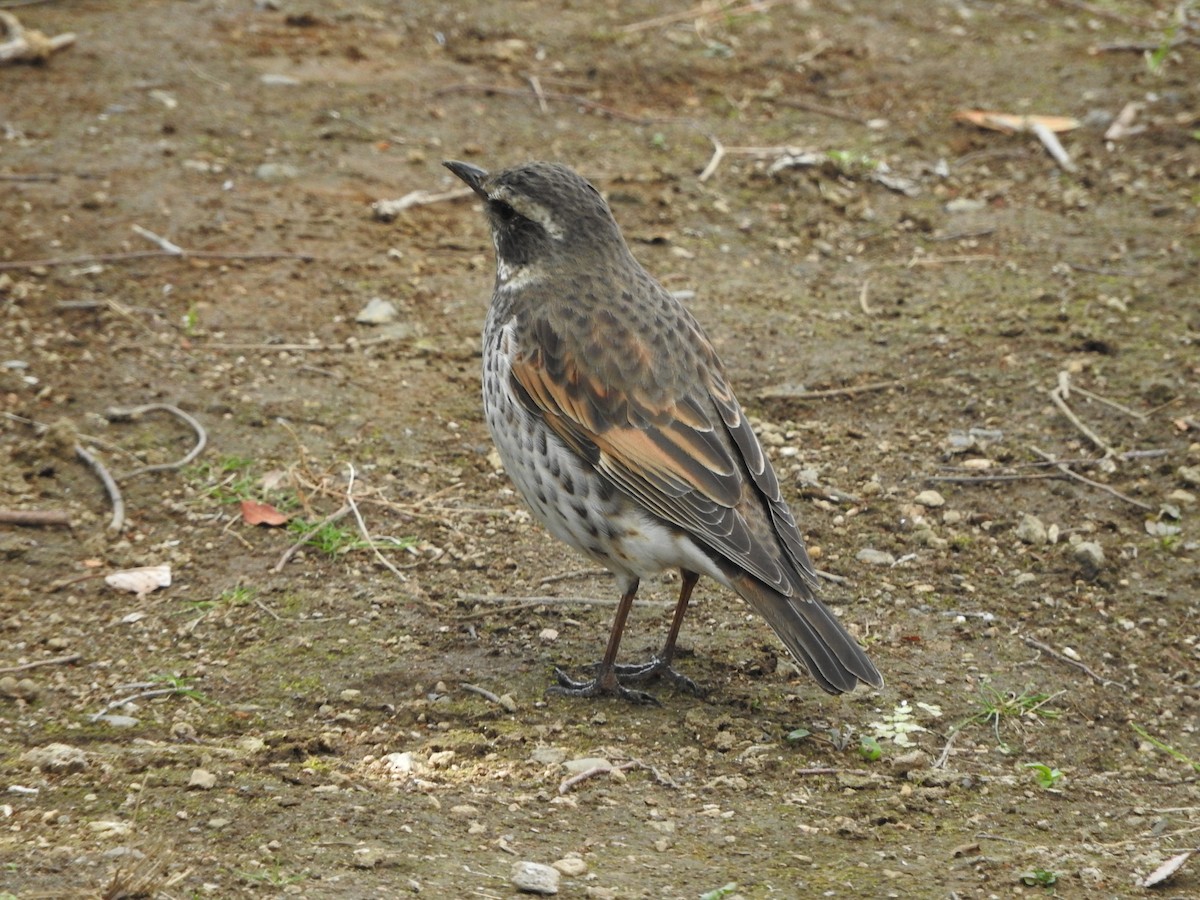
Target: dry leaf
[[1011, 122], [255, 513], [1167, 869], [140, 581]]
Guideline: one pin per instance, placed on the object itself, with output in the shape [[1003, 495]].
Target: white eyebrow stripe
[[535, 212]]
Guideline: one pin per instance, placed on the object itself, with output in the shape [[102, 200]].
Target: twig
[[1058, 396], [1111, 404], [945, 754], [714, 160], [552, 601], [56, 661], [1062, 657], [290, 551], [820, 109], [127, 413], [862, 298], [52, 261], [1053, 145], [142, 695], [167, 246], [35, 517], [786, 392], [482, 692], [387, 210], [536, 84], [815, 770], [829, 576], [706, 10], [574, 573], [362, 528], [569, 783], [117, 522], [984, 479], [1071, 473]]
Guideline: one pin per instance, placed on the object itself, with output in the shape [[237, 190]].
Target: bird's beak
[[472, 175]]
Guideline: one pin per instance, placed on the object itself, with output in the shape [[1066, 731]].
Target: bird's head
[[542, 215]]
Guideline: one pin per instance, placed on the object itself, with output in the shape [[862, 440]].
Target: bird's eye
[[503, 210]]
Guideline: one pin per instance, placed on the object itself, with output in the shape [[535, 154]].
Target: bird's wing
[[678, 443]]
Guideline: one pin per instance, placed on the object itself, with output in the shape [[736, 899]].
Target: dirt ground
[[894, 316]]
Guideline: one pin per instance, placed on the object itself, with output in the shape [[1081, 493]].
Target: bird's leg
[[605, 681], [659, 665]]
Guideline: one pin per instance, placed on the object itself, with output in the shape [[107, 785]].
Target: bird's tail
[[812, 634]]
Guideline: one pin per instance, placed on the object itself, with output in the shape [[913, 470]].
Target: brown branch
[[125, 414], [35, 517], [56, 661], [784, 392], [1062, 657], [134, 255], [117, 522], [1071, 473]]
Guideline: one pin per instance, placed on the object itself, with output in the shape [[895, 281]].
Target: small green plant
[[1046, 776], [190, 320], [332, 538], [796, 735], [239, 595], [720, 893], [1165, 747], [179, 686], [995, 707], [869, 749], [1039, 878], [226, 481], [901, 723]]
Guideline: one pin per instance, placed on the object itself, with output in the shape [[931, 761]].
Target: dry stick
[[862, 298], [56, 661], [714, 160], [290, 551], [1058, 396], [143, 695], [1071, 473], [35, 517], [1062, 657], [984, 479], [18, 44], [158, 239], [945, 754], [820, 109], [123, 414], [786, 393], [703, 11], [1112, 404], [362, 528], [569, 783], [552, 601], [482, 692], [147, 254], [114, 493], [574, 573], [536, 84]]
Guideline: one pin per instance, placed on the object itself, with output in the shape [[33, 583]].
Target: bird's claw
[[602, 685], [658, 667]]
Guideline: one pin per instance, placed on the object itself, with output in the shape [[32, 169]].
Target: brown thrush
[[613, 416]]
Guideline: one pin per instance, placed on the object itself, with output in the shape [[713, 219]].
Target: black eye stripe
[[503, 210]]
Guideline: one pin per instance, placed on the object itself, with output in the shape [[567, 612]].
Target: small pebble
[[1030, 530], [571, 866], [202, 780], [377, 312], [56, 758], [1090, 556], [874, 557], [930, 499], [547, 756], [276, 172], [535, 878], [548, 635]]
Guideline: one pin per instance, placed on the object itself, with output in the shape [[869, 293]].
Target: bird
[[614, 418]]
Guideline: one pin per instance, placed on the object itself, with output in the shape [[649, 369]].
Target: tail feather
[[813, 635]]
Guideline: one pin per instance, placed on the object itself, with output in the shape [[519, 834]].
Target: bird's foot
[[658, 667], [604, 684]]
